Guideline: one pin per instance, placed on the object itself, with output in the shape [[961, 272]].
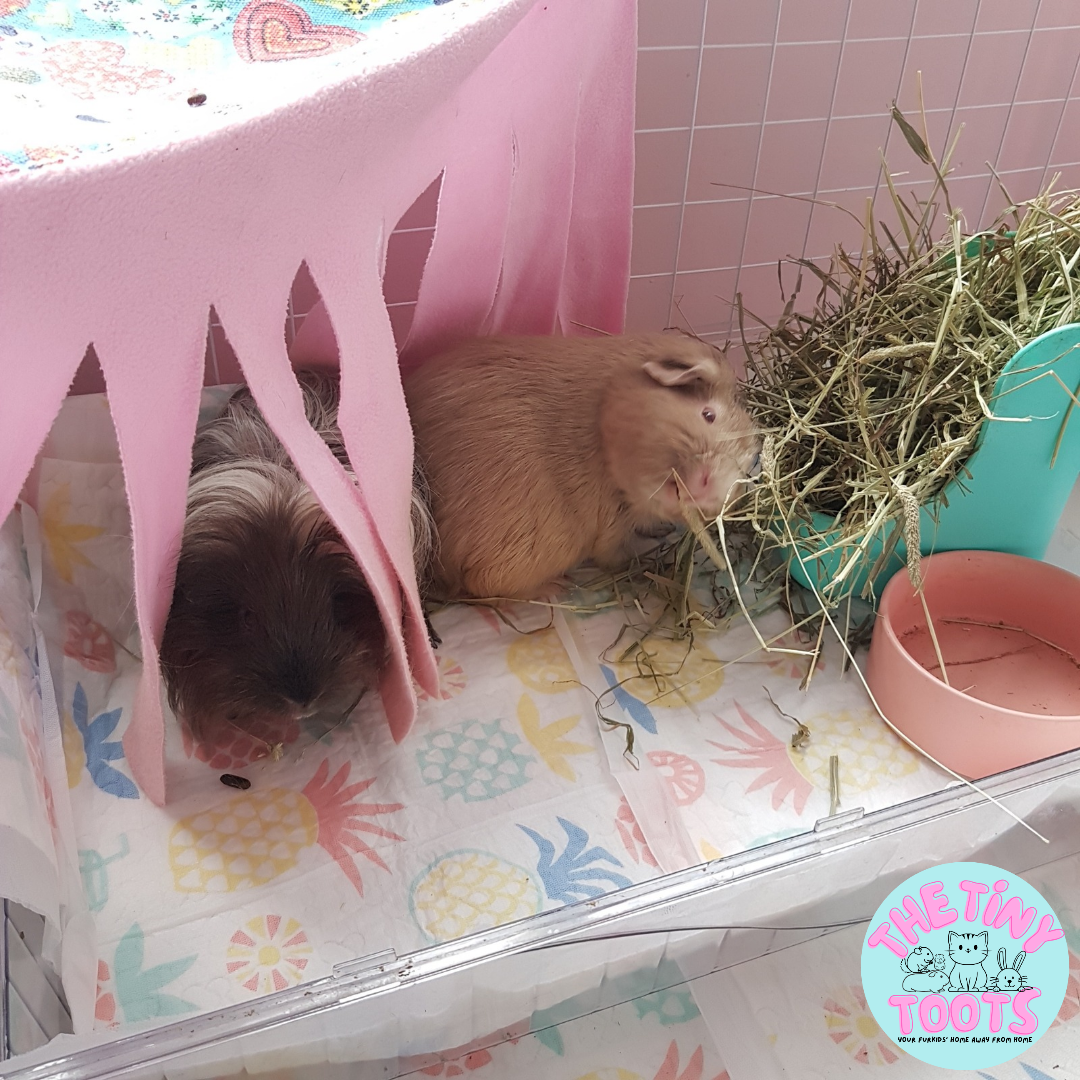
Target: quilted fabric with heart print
[[81, 77]]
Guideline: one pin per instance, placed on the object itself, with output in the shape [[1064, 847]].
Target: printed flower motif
[[9, 7], [852, 1026], [89, 643], [452, 680], [61, 537], [685, 777], [105, 1005], [268, 954], [631, 835], [761, 749], [574, 874], [549, 741]]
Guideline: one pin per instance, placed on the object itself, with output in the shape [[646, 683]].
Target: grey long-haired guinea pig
[[541, 453], [271, 618]]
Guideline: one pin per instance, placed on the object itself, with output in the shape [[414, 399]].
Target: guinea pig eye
[[246, 618], [709, 415]]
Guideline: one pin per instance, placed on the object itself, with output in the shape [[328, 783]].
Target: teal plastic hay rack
[[1013, 490]]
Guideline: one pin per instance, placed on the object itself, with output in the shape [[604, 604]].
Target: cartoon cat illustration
[[923, 976], [968, 952]]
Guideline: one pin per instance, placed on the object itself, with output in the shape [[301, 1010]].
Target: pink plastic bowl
[[1014, 698]]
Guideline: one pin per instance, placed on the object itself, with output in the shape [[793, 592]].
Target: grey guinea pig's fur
[[541, 453], [271, 619]]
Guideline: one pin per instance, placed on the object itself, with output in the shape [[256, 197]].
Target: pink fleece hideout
[[526, 110]]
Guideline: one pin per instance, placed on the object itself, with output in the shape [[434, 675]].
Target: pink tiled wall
[[792, 97]]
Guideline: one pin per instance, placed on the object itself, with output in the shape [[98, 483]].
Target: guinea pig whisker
[[734, 436], [249, 734]]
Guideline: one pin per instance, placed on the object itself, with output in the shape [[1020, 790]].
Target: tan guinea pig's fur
[[542, 453]]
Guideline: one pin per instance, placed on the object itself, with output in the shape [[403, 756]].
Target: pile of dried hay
[[872, 402]]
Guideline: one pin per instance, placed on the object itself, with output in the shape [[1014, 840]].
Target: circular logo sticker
[[964, 966]]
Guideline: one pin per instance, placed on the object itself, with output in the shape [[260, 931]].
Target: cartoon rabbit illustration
[[968, 952], [1009, 978], [923, 976]]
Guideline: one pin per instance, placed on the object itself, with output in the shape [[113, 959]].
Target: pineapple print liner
[[253, 838]]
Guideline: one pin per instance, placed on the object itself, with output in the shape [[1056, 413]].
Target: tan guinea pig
[[542, 453]]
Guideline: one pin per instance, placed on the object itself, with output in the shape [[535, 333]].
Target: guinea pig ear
[[680, 373]]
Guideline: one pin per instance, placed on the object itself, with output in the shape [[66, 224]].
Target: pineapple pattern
[[475, 760], [255, 837], [870, 754], [465, 891]]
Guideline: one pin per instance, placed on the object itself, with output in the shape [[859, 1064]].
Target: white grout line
[[949, 132], [825, 141], [1057, 129], [757, 157], [689, 157], [1008, 115], [911, 37], [882, 114], [899, 88]]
